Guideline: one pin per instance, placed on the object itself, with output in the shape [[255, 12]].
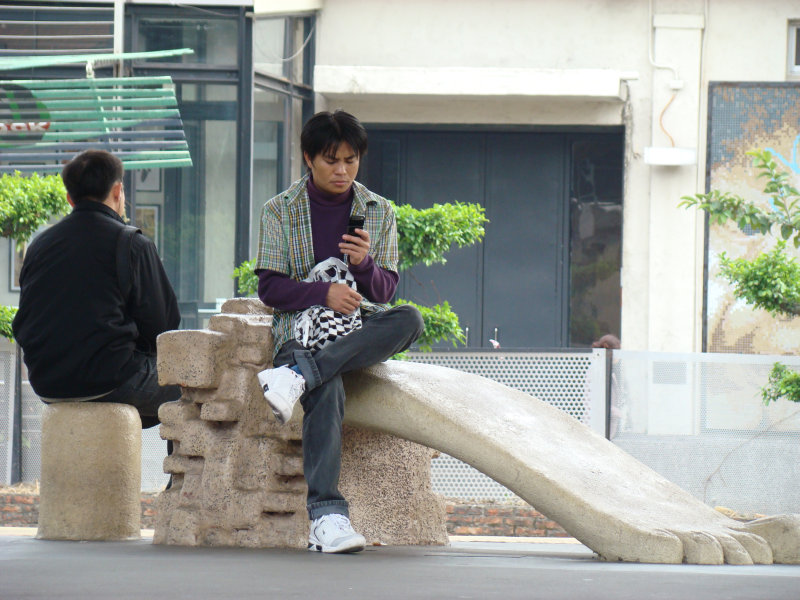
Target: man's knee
[[412, 319]]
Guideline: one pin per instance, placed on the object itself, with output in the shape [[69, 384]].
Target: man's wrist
[[364, 265]]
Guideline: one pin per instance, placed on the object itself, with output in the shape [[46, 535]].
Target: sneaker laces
[[341, 521], [298, 385]]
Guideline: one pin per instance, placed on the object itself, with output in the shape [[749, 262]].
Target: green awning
[[44, 123], [26, 62]]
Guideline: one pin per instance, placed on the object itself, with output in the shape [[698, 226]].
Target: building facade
[[577, 125]]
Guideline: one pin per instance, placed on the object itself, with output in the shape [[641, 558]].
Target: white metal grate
[[7, 372], [572, 380]]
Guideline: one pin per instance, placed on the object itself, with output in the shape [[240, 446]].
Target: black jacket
[[79, 336]]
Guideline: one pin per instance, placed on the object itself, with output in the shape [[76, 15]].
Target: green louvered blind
[[45, 123]]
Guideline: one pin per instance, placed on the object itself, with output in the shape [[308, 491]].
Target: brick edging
[[495, 519], [19, 509]]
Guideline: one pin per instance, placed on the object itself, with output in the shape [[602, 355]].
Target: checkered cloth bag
[[318, 326]]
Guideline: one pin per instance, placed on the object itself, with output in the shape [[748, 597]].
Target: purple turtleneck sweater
[[329, 216]]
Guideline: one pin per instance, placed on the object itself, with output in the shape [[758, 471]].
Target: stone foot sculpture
[[615, 505]]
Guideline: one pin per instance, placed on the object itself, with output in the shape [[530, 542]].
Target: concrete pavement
[[479, 568]]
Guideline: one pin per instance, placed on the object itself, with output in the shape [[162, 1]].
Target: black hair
[[325, 131], [90, 175]]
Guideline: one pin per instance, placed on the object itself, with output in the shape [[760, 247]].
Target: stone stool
[[91, 472]]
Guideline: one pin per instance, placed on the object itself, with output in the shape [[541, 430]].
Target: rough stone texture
[[91, 472], [601, 495], [238, 476], [188, 358], [379, 466]]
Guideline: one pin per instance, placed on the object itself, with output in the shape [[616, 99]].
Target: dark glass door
[[515, 287]]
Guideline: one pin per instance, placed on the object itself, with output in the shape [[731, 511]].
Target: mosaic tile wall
[[743, 117]]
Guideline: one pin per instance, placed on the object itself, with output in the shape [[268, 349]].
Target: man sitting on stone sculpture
[[94, 297], [303, 227]]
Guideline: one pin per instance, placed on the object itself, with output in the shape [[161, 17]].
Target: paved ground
[[468, 568]]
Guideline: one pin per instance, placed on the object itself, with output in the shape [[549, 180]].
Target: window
[[201, 213], [30, 30], [283, 50], [793, 62], [595, 238], [213, 40], [268, 126]]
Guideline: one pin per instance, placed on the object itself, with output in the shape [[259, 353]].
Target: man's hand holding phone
[[355, 244]]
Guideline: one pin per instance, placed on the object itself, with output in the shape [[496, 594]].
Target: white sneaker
[[282, 389], [333, 533]]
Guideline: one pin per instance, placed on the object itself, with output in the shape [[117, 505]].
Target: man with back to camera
[[300, 228], [93, 299]]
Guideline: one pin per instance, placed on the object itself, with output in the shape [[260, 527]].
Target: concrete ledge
[[595, 84]]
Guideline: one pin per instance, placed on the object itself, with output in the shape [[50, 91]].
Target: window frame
[[290, 87], [238, 75], [793, 50]]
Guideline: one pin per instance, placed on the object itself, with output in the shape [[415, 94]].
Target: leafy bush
[[28, 202], [425, 235], [7, 314], [441, 323], [771, 281], [785, 212], [782, 383], [247, 283]]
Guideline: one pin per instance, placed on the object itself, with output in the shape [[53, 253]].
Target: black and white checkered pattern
[[318, 326]]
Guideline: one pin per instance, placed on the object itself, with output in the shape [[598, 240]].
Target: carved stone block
[[238, 475]]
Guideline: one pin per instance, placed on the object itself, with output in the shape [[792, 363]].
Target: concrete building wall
[[535, 62], [569, 63]]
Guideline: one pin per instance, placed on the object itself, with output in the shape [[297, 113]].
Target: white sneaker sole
[[353, 545], [279, 407]]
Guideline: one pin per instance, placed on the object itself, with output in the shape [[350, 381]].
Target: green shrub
[[28, 202], [425, 235], [783, 383], [441, 323], [7, 314], [247, 283], [770, 281], [784, 202]]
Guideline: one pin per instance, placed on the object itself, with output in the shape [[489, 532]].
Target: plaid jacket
[[285, 243]]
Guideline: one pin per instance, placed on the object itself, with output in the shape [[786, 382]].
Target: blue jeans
[[142, 391], [381, 336]]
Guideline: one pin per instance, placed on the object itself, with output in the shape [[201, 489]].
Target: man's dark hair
[[90, 176], [323, 133]]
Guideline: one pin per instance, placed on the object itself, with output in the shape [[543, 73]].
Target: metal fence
[[698, 419], [695, 418], [572, 380], [7, 362]]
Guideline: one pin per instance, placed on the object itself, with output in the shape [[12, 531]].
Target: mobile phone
[[355, 222]]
